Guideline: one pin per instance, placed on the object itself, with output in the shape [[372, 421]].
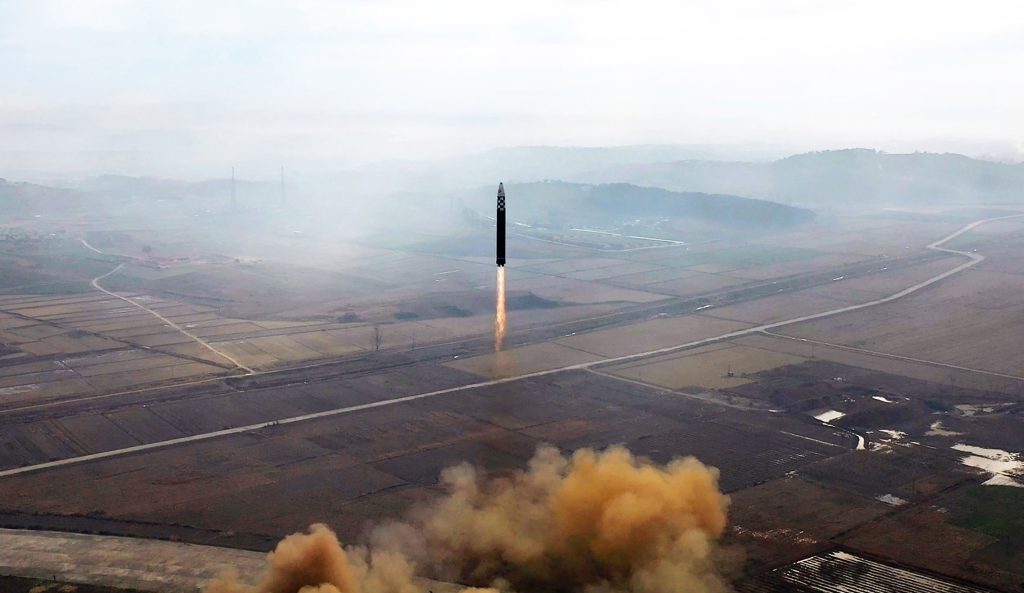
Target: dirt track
[[974, 259]]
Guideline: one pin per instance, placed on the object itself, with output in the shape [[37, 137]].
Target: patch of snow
[[891, 500], [18, 389], [1005, 467], [937, 430], [882, 399], [783, 534], [885, 444], [975, 409], [829, 416]]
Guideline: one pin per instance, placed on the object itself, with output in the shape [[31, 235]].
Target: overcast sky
[[182, 86]]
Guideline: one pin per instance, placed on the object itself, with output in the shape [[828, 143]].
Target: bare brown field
[[694, 284], [868, 236], [777, 308], [624, 268], [650, 335], [820, 263], [708, 367], [939, 546], [790, 518], [641, 279], [351, 469], [973, 319], [568, 266], [1003, 254], [580, 292], [525, 359], [940, 376], [846, 294], [119, 380], [888, 282]]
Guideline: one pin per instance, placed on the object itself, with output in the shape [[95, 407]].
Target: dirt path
[[96, 284], [974, 259]]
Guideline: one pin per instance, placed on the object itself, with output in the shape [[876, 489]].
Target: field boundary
[[96, 284], [974, 259]]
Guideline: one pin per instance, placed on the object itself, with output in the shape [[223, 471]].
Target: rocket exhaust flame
[[593, 522], [499, 316]]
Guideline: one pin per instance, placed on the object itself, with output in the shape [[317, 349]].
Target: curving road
[[96, 284], [973, 259]]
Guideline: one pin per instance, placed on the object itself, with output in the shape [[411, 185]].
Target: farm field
[[353, 468], [973, 320], [716, 366], [84, 373]]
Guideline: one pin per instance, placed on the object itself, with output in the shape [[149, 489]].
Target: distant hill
[[574, 203], [22, 199], [836, 178], [534, 163], [219, 190]]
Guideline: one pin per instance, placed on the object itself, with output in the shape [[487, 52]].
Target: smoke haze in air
[[187, 89]]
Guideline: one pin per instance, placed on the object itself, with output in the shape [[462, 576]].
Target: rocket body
[[500, 217]]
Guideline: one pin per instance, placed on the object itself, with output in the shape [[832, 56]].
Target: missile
[[501, 225]]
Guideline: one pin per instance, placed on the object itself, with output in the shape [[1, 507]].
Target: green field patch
[[997, 511]]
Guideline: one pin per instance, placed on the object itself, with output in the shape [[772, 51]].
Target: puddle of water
[[891, 500], [885, 443], [829, 416], [18, 389], [937, 430], [974, 409], [882, 399], [1006, 468]]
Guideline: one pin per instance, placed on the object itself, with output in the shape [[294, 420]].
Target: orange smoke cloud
[[595, 522], [315, 562]]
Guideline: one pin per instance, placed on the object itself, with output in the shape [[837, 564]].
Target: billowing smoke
[[595, 522], [315, 562]]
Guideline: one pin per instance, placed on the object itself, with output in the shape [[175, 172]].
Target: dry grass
[[707, 367], [650, 335]]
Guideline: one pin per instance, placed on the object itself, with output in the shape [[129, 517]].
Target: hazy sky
[[186, 86]]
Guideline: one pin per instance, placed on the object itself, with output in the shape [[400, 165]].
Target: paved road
[[973, 259], [124, 562], [134, 563], [96, 284]]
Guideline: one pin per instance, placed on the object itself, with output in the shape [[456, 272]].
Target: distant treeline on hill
[[839, 178], [616, 202]]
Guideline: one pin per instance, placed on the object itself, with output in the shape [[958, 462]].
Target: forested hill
[[554, 201], [837, 178]]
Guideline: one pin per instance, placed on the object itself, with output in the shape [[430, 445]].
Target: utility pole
[[234, 198]]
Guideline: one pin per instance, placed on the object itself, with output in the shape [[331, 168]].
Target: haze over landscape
[[754, 325]]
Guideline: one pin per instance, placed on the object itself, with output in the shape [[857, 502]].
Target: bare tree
[[376, 338]]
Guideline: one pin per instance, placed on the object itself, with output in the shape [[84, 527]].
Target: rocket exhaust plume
[[595, 522], [499, 315]]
